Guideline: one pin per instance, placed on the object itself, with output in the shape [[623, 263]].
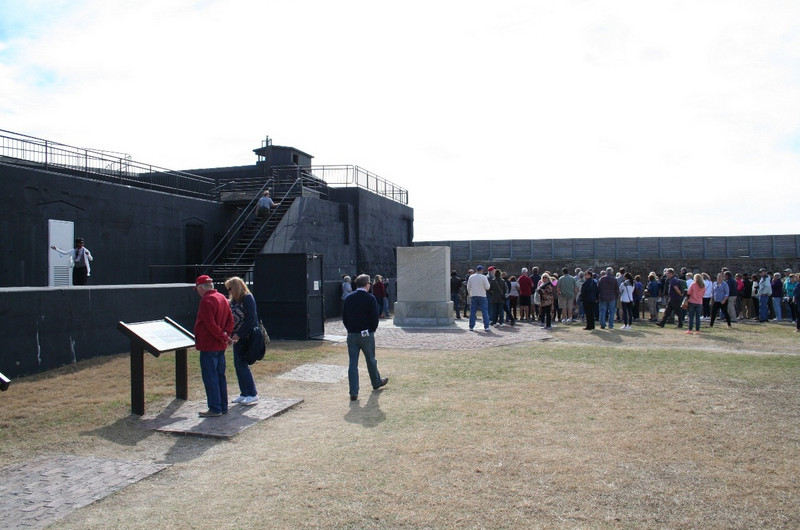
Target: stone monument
[[423, 287]]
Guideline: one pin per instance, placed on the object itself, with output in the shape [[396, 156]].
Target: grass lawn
[[601, 429]]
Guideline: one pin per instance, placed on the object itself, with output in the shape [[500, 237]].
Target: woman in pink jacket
[[695, 294]]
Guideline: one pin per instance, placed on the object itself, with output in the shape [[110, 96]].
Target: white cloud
[[487, 113]]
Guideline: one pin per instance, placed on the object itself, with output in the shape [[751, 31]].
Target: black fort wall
[[47, 327], [127, 229]]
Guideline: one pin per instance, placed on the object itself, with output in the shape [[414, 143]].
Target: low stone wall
[[48, 327]]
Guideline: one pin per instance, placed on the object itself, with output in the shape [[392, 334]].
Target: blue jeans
[[456, 298], [608, 311], [496, 312], [695, 310], [763, 308], [247, 386], [356, 343], [476, 303], [776, 305], [212, 368]]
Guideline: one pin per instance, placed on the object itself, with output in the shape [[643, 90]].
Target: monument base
[[423, 314]]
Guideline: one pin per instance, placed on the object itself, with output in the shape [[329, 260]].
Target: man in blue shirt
[[360, 317], [264, 205], [675, 294]]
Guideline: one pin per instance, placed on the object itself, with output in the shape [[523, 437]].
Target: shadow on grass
[[707, 335], [607, 335], [128, 431], [370, 415]]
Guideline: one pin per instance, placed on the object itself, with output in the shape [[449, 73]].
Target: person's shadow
[[369, 415]]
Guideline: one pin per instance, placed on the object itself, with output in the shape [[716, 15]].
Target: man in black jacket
[[589, 297], [360, 317], [455, 292]]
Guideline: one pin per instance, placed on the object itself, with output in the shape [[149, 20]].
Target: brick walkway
[[37, 493], [181, 417], [455, 337]]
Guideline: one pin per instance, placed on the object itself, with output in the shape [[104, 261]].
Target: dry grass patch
[[565, 433], [80, 408]]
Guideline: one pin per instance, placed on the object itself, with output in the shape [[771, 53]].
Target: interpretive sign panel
[[157, 337]]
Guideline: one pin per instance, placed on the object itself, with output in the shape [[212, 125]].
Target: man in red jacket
[[212, 331]]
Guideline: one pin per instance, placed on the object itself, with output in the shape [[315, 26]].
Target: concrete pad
[[181, 417], [37, 493], [316, 373], [334, 338]]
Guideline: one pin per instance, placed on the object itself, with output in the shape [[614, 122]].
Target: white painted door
[[62, 235]]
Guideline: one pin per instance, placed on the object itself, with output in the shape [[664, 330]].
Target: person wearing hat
[[212, 330], [79, 258], [477, 287]]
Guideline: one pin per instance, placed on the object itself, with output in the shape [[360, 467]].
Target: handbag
[[263, 332], [685, 303], [256, 346]]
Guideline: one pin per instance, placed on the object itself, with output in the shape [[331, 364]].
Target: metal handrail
[[101, 165], [265, 223], [345, 175], [235, 227]]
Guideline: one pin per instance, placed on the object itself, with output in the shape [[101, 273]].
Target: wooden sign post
[[157, 337]]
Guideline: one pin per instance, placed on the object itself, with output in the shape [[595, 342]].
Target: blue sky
[[520, 119]]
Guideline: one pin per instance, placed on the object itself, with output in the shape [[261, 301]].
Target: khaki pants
[[747, 308], [732, 308]]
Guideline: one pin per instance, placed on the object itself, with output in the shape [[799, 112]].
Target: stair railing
[[219, 249], [256, 237]]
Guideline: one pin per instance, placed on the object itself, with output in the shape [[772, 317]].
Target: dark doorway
[[194, 250]]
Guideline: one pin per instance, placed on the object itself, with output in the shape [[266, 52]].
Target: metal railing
[[100, 165], [342, 176], [222, 246]]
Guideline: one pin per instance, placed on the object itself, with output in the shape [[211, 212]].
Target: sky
[[525, 119]]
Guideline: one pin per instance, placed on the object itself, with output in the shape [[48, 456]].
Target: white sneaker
[[238, 399], [250, 400]]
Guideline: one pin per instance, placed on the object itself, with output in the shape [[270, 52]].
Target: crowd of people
[[379, 288], [611, 297]]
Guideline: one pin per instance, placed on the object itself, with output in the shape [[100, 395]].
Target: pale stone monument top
[[423, 287]]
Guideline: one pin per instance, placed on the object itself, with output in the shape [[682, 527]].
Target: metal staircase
[[236, 252]]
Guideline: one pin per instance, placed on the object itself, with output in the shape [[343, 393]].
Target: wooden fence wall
[[624, 248]]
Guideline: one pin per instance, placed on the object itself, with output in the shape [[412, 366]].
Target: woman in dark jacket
[[546, 295], [245, 322], [497, 298], [589, 297], [777, 295]]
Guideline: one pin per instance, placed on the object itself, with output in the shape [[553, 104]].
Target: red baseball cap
[[491, 269], [202, 279]]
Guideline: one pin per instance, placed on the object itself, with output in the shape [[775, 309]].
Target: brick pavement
[[455, 337], [37, 493], [181, 417]]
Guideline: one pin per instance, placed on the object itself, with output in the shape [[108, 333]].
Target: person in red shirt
[[212, 331], [525, 292]]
